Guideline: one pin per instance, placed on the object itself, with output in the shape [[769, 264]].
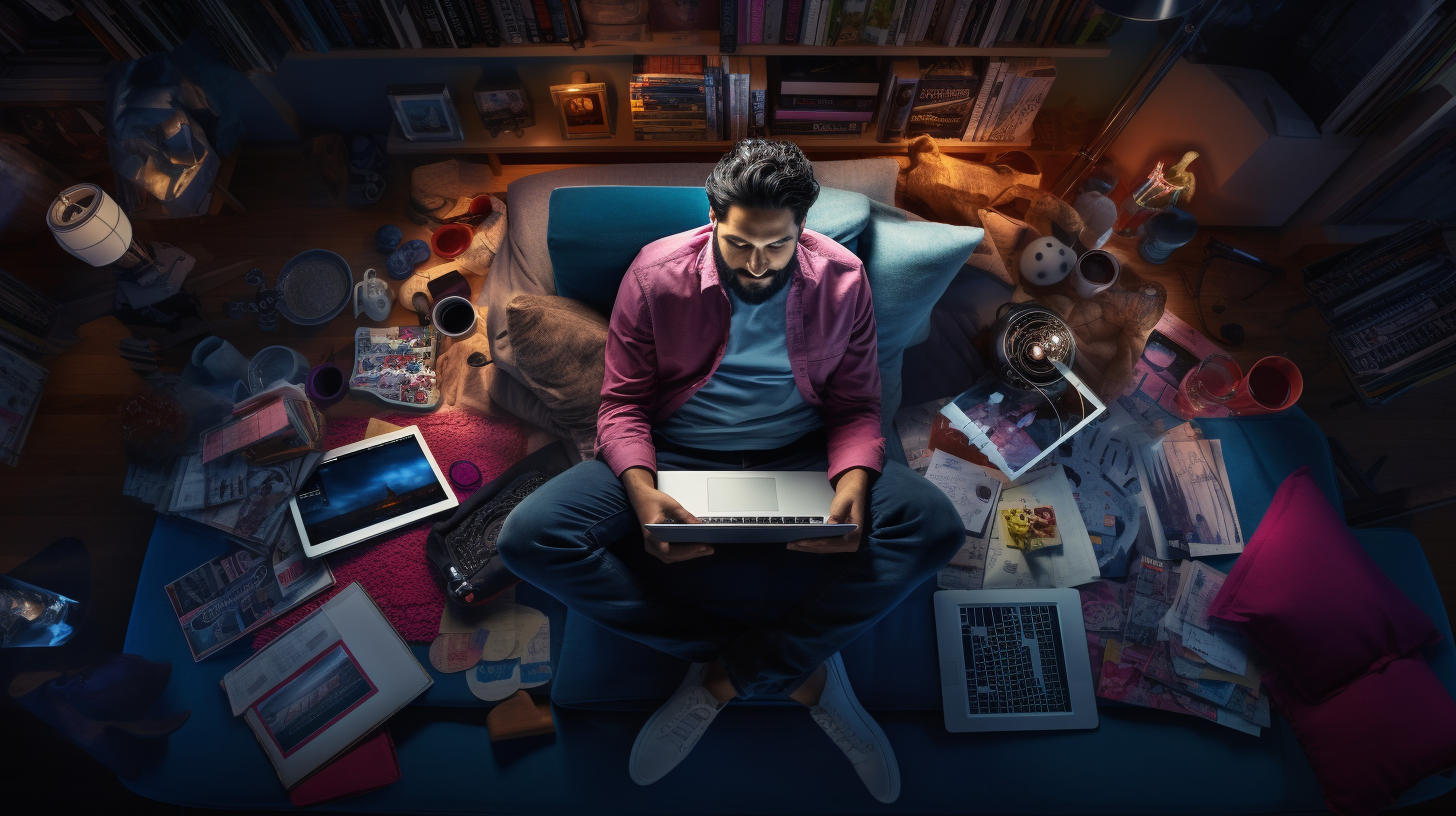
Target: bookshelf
[[704, 43], [545, 137]]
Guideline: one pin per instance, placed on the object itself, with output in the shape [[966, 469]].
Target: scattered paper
[[971, 488], [536, 658], [493, 680], [456, 652]]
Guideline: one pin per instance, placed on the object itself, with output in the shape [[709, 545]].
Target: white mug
[[454, 316], [373, 296], [1104, 268]]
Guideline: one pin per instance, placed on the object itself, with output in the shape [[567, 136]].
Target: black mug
[[455, 317]]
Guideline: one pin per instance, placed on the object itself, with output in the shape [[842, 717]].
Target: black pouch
[[462, 549]]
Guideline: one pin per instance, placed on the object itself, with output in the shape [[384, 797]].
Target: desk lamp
[[90, 225]]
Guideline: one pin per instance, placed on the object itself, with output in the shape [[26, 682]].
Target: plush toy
[[1046, 261]]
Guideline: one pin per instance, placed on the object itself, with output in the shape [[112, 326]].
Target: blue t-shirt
[[751, 402]]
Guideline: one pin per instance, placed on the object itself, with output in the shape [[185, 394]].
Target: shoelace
[[679, 729], [845, 739]]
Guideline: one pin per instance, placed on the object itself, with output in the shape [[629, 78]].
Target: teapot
[[373, 296]]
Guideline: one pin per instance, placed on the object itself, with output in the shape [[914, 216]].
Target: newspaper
[[226, 598]]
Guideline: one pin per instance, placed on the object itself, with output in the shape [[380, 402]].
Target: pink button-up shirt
[[669, 330]]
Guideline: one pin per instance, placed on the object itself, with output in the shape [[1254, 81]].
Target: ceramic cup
[[373, 296], [326, 385], [220, 360], [1272, 384], [451, 240], [1095, 272], [454, 316]]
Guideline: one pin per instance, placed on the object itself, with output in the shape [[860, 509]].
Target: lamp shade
[[1148, 10], [90, 225]]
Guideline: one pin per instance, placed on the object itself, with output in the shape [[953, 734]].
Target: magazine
[[235, 594], [1189, 502], [1173, 349]]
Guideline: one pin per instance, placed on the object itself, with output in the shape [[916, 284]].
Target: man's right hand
[[652, 506]]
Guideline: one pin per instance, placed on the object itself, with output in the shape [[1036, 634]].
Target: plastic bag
[[31, 616], [162, 126]]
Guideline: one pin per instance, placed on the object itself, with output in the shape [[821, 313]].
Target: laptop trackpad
[[738, 494]]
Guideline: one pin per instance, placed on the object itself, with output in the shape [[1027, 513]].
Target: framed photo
[[504, 108], [582, 110], [425, 113]]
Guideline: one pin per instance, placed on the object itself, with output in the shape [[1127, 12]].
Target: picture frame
[[504, 108], [582, 110], [425, 113]]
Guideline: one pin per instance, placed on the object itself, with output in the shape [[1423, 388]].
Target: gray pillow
[[560, 350]]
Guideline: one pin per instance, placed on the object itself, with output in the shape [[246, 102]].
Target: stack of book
[[1391, 305], [670, 99], [978, 23], [824, 96], [1010, 96], [947, 96]]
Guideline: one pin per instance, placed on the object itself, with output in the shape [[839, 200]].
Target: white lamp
[[90, 225]]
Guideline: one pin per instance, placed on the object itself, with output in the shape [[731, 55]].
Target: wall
[[347, 95]]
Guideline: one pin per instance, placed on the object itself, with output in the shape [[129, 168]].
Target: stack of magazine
[[1391, 306]]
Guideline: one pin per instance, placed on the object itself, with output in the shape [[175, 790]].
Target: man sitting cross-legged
[[746, 344]]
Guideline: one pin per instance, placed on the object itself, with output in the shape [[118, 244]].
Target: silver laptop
[[1014, 660], [749, 506]]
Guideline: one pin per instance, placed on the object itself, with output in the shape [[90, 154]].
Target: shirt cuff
[[869, 455], [621, 454]]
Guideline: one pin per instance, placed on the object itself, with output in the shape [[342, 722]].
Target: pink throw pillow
[[1377, 737], [1313, 601]]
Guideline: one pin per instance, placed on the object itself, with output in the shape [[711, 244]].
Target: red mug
[[451, 240], [1272, 384]]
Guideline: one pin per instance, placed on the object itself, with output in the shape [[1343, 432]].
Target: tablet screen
[[367, 486]]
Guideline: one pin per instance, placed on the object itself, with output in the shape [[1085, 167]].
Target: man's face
[[755, 244]]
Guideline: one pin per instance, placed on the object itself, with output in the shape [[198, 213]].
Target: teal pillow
[[909, 264], [594, 233]]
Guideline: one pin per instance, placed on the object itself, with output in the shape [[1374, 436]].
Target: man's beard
[[752, 295]]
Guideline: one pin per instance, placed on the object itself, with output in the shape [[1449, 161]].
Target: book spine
[[983, 95], [384, 9], [542, 13], [991, 114], [558, 20], [958, 23], [812, 11], [293, 39], [485, 23], [450, 14], [370, 15], [817, 128], [361, 38], [793, 20], [892, 29], [827, 17], [773, 22], [329, 23], [902, 32], [755, 21], [528, 21], [728, 26], [710, 101], [511, 29]]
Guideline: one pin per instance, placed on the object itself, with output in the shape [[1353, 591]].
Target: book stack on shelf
[[670, 100], [1012, 91], [1391, 305], [972, 23], [824, 96]]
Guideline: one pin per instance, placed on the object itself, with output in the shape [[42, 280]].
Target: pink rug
[[395, 571]]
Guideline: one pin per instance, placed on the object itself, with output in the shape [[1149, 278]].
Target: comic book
[[395, 365]]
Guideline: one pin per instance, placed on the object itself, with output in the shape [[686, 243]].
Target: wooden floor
[[69, 479]]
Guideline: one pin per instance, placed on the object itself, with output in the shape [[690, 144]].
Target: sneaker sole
[[882, 742]]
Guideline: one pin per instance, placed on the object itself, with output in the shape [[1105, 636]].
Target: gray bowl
[[314, 287]]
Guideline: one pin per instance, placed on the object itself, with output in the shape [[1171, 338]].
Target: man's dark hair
[[762, 174]]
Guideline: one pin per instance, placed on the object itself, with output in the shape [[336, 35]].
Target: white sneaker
[[857, 735], [673, 731]]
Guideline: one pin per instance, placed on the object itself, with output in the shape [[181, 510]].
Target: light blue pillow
[[909, 265]]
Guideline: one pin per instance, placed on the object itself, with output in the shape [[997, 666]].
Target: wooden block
[[519, 716], [378, 427]]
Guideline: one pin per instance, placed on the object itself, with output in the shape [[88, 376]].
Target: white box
[[1260, 156]]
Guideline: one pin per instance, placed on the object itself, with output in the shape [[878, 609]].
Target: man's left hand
[[850, 506]]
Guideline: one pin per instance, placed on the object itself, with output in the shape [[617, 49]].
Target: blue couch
[[605, 683]]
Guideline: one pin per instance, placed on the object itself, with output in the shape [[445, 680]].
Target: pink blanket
[[395, 570]]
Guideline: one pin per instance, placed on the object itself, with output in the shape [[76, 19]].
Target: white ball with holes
[[1046, 261]]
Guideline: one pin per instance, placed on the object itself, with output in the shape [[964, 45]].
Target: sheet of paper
[[971, 488], [967, 568], [1072, 564], [1221, 648], [284, 656]]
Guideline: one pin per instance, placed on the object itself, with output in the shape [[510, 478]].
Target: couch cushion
[[590, 254], [1376, 737], [909, 264], [1310, 599], [560, 346]]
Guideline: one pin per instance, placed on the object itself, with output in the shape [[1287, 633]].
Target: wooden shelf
[[707, 44], [545, 137]]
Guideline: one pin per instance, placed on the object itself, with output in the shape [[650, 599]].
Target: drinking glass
[[1207, 388]]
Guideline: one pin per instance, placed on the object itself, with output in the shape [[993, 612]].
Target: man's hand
[[851, 505], [652, 506]]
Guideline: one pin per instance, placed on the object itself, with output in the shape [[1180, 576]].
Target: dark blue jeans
[[577, 538]]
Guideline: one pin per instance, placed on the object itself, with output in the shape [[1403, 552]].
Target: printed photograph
[[426, 115], [315, 697]]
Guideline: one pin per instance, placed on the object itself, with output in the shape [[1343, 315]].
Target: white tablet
[[368, 489]]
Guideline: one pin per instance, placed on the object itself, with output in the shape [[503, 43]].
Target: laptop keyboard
[[762, 519], [1014, 659]]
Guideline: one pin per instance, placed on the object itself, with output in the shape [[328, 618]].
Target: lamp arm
[[1149, 76]]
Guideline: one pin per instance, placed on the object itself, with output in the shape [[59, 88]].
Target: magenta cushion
[[1312, 600], [1376, 737]]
